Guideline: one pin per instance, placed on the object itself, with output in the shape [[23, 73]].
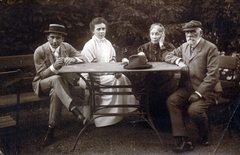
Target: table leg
[[141, 114]]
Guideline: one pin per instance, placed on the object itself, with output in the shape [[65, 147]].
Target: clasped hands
[[117, 75], [63, 61]]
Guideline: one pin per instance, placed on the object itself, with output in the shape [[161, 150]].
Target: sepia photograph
[[119, 77]]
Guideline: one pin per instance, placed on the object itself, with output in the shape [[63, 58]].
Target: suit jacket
[[44, 58], [202, 63]]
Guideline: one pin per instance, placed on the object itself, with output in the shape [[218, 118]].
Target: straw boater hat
[[56, 28], [192, 25], [137, 62]]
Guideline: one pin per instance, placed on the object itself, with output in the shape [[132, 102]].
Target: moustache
[[190, 39]]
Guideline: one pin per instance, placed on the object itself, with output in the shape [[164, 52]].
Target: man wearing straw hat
[[48, 59]]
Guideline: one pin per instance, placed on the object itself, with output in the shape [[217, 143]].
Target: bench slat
[[7, 121], [18, 61], [10, 100]]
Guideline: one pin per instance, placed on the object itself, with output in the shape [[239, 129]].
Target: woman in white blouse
[[98, 50]]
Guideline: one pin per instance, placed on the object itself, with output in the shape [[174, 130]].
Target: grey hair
[[157, 24], [199, 30]]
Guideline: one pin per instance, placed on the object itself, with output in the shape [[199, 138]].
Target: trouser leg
[[60, 87], [197, 112], [55, 109], [175, 105], [58, 90]]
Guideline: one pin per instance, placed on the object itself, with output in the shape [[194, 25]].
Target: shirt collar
[[99, 40]]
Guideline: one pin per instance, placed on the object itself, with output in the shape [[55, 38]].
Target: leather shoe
[[49, 139], [183, 146], [205, 141], [77, 114]]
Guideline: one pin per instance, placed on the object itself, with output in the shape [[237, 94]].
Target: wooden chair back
[[228, 68]]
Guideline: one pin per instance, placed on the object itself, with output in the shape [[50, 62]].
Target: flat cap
[[192, 25]]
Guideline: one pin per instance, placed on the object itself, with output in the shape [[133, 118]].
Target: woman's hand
[[125, 61], [82, 83], [161, 41], [141, 53], [117, 75]]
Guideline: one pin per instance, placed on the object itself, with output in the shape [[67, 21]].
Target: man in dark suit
[[199, 61], [48, 59]]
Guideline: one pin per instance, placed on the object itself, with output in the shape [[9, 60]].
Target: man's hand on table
[[184, 67], [69, 61]]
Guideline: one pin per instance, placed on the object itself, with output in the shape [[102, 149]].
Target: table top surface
[[115, 67]]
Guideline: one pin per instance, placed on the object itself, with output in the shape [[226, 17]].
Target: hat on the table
[[192, 25], [137, 62], [56, 28]]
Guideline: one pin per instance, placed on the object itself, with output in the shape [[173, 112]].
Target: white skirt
[[114, 100]]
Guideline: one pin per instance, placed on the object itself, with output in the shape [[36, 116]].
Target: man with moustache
[[198, 59]]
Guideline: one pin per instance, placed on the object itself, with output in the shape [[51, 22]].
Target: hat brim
[[47, 31], [138, 67], [190, 29]]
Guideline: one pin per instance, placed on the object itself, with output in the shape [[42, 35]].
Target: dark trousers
[[157, 103], [177, 103]]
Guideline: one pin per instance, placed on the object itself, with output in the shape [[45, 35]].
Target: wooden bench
[[17, 94], [27, 97]]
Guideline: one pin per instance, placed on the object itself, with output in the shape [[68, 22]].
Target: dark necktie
[[191, 50]]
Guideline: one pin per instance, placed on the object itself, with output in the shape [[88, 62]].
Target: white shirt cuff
[[78, 60], [53, 69], [198, 94], [177, 61]]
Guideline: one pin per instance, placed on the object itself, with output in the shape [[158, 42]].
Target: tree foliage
[[23, 22], [222, 23]]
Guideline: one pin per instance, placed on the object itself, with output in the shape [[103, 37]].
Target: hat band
[[57, 28]]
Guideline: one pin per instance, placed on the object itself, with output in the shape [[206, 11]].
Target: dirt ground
[[131, 136]]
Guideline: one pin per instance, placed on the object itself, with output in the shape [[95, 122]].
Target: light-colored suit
[[47, 82], [202, 77]]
